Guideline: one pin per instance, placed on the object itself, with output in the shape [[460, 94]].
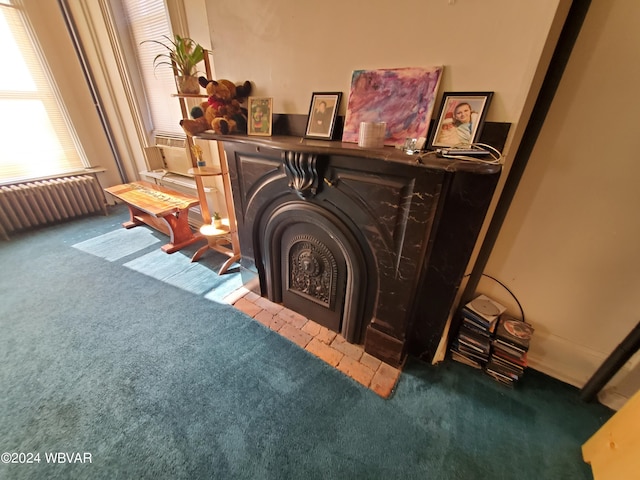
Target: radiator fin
[[29, 205]]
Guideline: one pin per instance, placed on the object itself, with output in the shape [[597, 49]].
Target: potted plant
[[197, 153], [183, 55]]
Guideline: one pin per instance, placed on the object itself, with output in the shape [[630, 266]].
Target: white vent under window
[[170, 154]]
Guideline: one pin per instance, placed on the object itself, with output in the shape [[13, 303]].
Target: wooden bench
[[161, 208]]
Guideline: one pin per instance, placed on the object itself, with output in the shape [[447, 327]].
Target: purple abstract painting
[[402, 97]]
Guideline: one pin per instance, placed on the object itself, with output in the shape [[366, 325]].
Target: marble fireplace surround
[[401, 231]]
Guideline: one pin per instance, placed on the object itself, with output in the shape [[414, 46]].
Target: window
[[28, 99], [148, 20]]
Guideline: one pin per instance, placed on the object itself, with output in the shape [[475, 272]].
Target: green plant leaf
[[183, 54]]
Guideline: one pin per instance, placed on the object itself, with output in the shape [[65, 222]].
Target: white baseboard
[[575, 364], [612, 399], [562, 359]]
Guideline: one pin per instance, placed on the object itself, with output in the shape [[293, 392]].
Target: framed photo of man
[[260, 111], [460, 120], [322, 115]]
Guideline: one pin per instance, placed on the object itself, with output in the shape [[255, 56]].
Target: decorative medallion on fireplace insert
[[312, 270], [312, 274]]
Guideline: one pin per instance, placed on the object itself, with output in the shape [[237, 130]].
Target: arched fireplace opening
[[313, 264]]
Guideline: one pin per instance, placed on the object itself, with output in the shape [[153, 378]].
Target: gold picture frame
[[260, 111]]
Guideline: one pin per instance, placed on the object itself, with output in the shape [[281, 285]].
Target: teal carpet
[[125, 354], [175, 269], [119, 243]]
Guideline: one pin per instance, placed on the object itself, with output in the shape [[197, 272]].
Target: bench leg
[[135, 216], [181, 234], [176, 226]]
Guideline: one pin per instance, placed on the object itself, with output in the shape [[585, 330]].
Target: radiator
[[25, 206]]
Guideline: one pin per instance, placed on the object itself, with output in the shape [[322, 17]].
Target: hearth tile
[[252, 296], [312, 328], [356, 370], [325, 335], [269, 320], [349, 349], [269, 306], [324, 352], [386, 370], [297, 336], [293, 318], [384, 380], [247, 307], [370, 361]]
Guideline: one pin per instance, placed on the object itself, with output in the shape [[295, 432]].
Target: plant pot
[[188, 85]]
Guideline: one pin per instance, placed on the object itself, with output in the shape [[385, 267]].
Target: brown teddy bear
[[222, 112]]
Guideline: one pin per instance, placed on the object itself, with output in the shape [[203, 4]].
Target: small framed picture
[[260, 111], [322, 114], [460, 119]]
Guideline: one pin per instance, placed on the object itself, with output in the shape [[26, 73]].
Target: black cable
[[507, 289]]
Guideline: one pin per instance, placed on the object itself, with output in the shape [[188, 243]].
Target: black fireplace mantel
[[401, 231], [322, 147]]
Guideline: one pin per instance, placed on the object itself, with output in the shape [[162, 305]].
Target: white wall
[[569, 245], [290, 48]]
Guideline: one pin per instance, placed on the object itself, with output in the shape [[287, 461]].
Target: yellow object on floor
[[614, 451]]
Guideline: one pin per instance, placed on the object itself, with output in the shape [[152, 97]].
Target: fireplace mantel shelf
[[323, 147]]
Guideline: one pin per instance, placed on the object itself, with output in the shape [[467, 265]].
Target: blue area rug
[[224, 285], [174, 269], [179, 271], [118, 244]]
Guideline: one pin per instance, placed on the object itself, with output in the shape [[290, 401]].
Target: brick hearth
[[325, 344]]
